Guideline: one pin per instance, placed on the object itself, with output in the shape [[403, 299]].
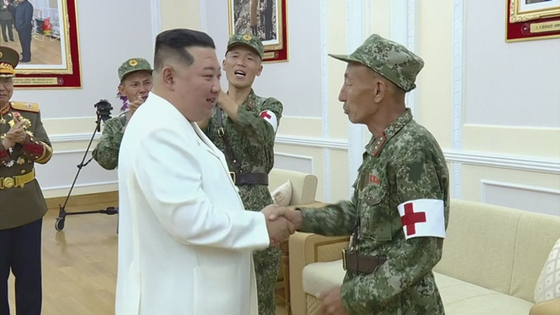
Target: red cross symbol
[[410, 218], [265, 115]]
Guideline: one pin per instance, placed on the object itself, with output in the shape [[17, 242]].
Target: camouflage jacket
[[107, 151], [252, 142], [24, 203], [403, 164]]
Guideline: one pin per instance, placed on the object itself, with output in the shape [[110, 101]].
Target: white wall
[[508, 84], [295, 83], [109, 33], [501, 140]]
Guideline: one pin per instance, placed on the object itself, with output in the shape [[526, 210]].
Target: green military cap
[[247, 40], [132, 65], [9, 60], [390, 59]]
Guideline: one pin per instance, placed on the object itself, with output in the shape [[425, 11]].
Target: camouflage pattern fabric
[[252, 141], [132, 65], [405, 163], [390, 59], [107, 151], [247, 40]]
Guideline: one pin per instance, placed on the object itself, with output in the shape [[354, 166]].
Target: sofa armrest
[[304, 249], [551, 307]]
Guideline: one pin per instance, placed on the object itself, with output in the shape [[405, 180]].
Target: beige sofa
[[491, 261], [304, 188]]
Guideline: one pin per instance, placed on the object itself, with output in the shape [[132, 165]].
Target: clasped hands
[[16, 134], [281, 222]]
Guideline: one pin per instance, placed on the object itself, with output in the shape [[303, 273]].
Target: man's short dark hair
[[174, 43]]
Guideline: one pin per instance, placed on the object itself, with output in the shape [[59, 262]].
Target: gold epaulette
[[26, 107]]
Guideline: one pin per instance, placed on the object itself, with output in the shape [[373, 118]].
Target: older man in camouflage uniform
[[135, 76], [24, 142], [244, 126], [399, 210]]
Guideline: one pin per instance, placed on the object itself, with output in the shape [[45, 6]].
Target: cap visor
[[346, 58]]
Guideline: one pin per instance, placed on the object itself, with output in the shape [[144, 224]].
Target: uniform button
[[23, 171]]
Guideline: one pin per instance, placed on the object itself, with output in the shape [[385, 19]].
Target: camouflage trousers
[[267, 264]]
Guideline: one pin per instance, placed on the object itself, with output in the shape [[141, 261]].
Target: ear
[[380, 89], [260, 70], [224, 65], [168, 76], [122, 90]]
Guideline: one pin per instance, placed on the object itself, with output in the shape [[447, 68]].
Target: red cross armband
[[423, 218], [270, 117]]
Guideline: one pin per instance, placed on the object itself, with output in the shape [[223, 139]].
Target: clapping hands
[[16, 134]]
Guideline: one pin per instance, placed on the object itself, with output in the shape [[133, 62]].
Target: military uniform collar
[[5, 109], [376, 143], [249, 101]]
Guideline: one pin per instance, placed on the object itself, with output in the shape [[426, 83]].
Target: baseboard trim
[[85, 200]]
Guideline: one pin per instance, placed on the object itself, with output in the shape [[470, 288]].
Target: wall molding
[[484, 183], [156, 18], [77, 186], [300, 157], [457, 66], [549, 166], [312, 142], [324, 10], [203, 18], [73, 137], [538, 165], [355, 23]]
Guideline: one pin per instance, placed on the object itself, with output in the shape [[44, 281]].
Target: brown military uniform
[[22, 205], [20, 194]]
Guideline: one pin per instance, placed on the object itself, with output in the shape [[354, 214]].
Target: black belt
[[359, 263], [249, 178]]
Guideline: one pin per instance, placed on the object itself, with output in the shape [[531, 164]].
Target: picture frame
[[55, 52], [269, 20], [532, 20]]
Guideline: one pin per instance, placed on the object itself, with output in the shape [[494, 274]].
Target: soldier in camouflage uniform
[[24, 142], [400, 207], [245, 134], [135, 76]]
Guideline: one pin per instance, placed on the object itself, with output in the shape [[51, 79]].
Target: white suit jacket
[[185, 240]]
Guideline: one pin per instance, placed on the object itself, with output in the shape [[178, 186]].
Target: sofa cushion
[[322, 276], [536, 235], [304, 185], [548, 285], [283, 194], [463, 298]]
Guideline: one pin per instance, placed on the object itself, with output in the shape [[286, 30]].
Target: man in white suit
[[185, 241]]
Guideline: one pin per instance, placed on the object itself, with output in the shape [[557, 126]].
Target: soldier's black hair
[[173, 43]]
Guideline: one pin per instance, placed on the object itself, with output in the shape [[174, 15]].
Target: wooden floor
[[80, 262]]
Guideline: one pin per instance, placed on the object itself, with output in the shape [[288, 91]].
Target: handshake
[[281, 222]]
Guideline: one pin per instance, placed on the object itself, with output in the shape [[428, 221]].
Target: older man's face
[[358, 93], [6, 90]]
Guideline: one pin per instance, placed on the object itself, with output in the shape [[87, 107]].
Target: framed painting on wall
[[54, 55], [532, 19], [265, 19]]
